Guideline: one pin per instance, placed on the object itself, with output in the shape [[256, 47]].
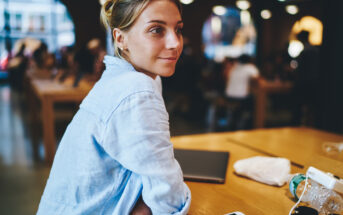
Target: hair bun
[[106, 12], [107, 7]]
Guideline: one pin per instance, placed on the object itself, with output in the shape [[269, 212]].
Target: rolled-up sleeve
[[137, 136]]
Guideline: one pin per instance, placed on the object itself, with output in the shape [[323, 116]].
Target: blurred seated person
[[16, 68], [88, 62], [98, 51], [65, 64], [39, 55], [237, 92], [84, 61], [42, 63]]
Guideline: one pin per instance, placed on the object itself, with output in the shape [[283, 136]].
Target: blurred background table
[[261, 89], [49, 93], [242, 194]]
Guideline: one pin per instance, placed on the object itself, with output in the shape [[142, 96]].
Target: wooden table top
[[301, 145], [53, 89], [240, 193], [274, 86]]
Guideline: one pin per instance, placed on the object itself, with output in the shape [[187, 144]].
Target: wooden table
[[240, 193], [48, 93], [301, 145], [261, 89]]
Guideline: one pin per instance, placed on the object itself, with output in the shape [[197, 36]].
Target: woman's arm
[[137, 136]]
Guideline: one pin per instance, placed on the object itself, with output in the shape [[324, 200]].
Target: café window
[[32, 23], [18, 22], [228, 32], [42, 23]]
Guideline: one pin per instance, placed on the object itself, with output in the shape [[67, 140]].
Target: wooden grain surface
[[243, 194]]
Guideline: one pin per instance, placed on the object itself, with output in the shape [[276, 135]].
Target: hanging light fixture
[[243, 4], [266, 14], [219, 10], [292, 9], [295, 48], [186, 1]]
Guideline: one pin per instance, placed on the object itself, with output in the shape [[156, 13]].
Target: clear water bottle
[[325, 201]]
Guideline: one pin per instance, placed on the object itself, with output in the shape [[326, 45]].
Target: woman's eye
[[157, 30]]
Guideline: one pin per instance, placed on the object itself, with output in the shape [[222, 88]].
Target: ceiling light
[[292, 9], [219, 10], [266, 14], [216, 25], [243, 4], [186, 1], [295, 48], [281, 0]]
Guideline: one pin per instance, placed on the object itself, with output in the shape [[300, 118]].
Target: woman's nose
[[173, 40]]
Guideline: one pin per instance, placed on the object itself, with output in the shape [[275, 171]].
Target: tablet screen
[[203, 166]]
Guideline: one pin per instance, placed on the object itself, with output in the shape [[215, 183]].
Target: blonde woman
[[116, 156]]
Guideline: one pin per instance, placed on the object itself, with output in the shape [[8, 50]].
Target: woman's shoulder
[[110, 91]]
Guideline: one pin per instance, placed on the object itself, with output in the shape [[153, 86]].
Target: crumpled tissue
[[268, 170]]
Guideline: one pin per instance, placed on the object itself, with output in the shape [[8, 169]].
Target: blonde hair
[[122, 14]]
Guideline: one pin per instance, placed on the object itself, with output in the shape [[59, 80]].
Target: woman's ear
[[118, 36]]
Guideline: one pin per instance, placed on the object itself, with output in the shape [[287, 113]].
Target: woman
[[116, 156]]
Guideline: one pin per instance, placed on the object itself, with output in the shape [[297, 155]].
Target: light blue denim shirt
[[116, 149]]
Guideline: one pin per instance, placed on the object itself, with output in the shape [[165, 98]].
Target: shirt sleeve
[[137, 136], [253, 71]]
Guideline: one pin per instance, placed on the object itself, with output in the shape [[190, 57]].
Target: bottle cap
[[293, 184]]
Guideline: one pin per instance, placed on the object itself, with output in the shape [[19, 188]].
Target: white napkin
[[268, 170]]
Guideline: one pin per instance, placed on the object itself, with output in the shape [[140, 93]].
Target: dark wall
[[332, 67], [273, 34], [86, 18]]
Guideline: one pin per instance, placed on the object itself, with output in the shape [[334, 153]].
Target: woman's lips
[[171, 59]]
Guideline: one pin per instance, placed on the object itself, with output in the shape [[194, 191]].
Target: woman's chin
[[168, 74], [166, 71]]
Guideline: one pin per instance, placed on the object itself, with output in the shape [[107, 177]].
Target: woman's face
[[154, 42]]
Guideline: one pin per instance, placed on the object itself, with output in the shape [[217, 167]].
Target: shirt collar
[[111, 61]]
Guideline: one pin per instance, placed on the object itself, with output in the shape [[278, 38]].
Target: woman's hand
[[141, 208]]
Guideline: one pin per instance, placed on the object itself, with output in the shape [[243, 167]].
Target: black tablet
[[203, 166]]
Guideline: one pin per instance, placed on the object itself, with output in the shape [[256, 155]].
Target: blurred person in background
[[84, 64], [89, 61], [237, 91], [16, 68], [65, 63], [39, 55], [98, 51], [42, 63], [229, 63]]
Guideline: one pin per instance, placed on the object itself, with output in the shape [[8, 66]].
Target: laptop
[[203, 166]]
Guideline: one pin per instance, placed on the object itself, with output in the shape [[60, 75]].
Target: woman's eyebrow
[[163, 22]]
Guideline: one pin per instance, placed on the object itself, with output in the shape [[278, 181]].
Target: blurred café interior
[[51, 55]]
